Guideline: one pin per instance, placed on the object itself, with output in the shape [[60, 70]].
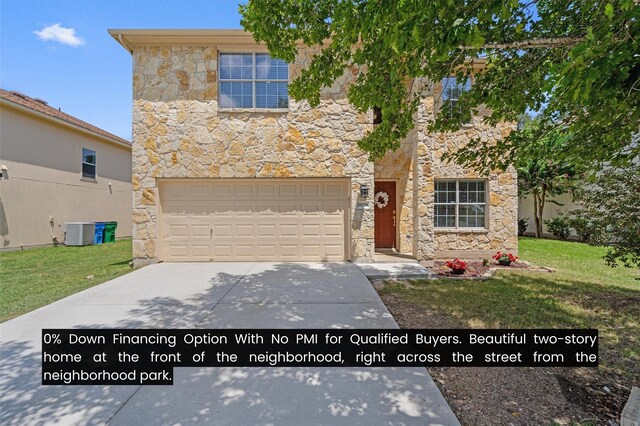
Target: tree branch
[[529, 44]]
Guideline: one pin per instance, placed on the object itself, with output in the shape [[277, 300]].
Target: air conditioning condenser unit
[[79, 233]]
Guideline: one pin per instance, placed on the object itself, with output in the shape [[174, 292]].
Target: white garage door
[[254, 220]]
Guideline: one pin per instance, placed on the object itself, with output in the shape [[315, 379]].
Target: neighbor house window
[[88, 163], [460, 204], [253, 80], [452, 89]]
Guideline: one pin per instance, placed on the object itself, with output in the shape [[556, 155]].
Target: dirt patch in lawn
[[518, 396], [475, 268]]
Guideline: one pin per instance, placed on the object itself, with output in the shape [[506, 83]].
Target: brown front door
[[385, 217]]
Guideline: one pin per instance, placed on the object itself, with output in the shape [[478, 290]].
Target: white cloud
[[58, 33]]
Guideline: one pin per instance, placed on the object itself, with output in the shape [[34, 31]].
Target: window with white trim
[[452, 89], [88, 163], [460, 204], [252, 80]]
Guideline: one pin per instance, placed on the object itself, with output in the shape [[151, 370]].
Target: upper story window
[[88, 163], [460, 204], [452, 89], [253, 80]]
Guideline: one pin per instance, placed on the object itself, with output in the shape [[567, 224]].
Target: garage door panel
[[270, 220], [222, 190], [333, 209], [289, 209], [310, 208], [222, 252], [266, 208], [200, 191], [223, 209], [267, 190], [244, 230], [333, 230], [310, 189], [289, 190], [224, 230], [245, 251], [177, 231], [201, 251], [311, 230], [246, 190], [333, 190], [289, 230], [244, 209]]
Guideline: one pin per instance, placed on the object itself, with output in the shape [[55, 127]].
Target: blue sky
[[76, 65]]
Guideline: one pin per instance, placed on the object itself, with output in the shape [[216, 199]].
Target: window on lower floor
[[253, 80], [460, 204], [88, 163]]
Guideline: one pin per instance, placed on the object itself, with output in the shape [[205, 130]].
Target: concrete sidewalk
[[214, 295]]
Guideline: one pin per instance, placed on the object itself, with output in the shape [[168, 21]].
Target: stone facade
[[180, 132]]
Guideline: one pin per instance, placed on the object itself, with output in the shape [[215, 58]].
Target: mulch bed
[[476, 269], [517, 396]]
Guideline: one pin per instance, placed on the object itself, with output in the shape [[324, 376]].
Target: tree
[[578, 58], [611, 205], [540, 173]]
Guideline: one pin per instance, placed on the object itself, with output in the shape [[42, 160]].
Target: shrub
[[522, 225], [585, 229], [559, 226], [485, 262]]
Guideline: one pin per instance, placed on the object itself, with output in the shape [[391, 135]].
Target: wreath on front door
[[381, 203]]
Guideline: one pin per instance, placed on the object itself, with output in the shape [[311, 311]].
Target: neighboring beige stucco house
[[56, 169], [227, 167]]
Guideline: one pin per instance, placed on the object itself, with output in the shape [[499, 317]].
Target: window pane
[[445, 216], [472, 192], [272, 95], [236, 66], [445, 192], [452, 88], [88, 170], [236, 94], [88, 156], [268, 68], [471, 216]]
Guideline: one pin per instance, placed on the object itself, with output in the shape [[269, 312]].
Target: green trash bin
[[110, 232]]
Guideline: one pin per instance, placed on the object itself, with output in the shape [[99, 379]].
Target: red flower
[[456, 264], [504, 257]]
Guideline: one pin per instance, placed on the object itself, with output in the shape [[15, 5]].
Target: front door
[[385, 215]]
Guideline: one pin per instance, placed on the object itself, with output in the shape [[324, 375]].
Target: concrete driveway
[[220, 295]]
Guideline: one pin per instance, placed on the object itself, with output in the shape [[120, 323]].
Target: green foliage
[[611, 204], [542, 173], [585, 228], [559, 226], [523, 224], [584, 68]]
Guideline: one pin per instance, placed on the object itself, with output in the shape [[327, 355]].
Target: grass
[[33, 278], [583, 293]]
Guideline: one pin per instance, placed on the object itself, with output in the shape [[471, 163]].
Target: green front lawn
[[33, 278], [583, 293]]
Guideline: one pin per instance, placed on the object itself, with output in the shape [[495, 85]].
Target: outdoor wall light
[[364, 190]]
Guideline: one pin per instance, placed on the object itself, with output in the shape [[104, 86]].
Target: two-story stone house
[[227, 167]]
